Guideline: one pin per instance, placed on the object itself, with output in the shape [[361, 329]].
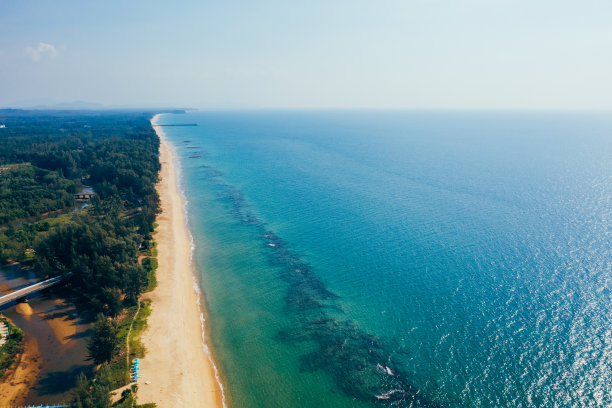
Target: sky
[[384, 54]]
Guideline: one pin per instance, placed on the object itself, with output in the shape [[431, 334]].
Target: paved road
[[29, 290]]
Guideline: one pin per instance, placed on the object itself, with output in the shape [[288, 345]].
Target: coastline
[[177, 365]]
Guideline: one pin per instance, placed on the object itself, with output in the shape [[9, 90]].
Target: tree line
[[46, 157]]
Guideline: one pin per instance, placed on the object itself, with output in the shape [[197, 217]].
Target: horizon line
[[246, 109]]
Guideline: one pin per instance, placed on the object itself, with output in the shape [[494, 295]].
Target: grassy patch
[[137, 349], [150, 265], [12, 348], [119, 373], [119, 367], [60, 219]]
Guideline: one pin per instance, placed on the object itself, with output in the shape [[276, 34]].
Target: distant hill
[[77, 106]]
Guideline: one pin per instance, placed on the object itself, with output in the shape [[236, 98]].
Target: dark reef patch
[[361, 365]]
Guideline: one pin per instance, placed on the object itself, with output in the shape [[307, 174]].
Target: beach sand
[[179, 370]]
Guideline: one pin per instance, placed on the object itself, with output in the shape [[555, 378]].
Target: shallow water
[[404, 258]]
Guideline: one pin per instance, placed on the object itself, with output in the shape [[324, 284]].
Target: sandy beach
[[176, 365]]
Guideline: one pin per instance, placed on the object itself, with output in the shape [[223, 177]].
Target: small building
[[83, 196], [86, 194]]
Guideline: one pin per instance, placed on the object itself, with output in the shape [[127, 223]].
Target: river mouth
[[56, 336]]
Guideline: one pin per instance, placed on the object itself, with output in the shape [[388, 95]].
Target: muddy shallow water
[[58, 331]]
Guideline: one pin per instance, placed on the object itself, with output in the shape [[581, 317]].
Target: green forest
[[48, 156]]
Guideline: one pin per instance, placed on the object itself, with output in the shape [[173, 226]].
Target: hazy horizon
[[420, 54]]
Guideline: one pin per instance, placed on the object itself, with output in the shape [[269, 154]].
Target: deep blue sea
[[403, 258]]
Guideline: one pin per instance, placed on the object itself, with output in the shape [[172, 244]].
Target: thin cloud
[[43, 50]]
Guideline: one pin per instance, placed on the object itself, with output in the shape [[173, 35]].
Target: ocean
[[403, 258]]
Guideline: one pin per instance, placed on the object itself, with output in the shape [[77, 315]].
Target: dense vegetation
[[104, 343], [45, 158], [27, 191]]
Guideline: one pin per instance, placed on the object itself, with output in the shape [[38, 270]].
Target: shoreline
[[178, 362], [21, 377]]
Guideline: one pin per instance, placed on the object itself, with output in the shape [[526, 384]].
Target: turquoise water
[[426, 259]]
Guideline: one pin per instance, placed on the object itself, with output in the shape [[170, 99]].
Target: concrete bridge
[[28, 290]]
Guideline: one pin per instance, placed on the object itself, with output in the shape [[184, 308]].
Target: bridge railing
[[29, 290]]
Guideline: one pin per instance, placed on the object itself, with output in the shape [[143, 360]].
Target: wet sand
[[179, 371]]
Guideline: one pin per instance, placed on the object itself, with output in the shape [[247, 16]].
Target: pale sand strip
[[179, 370]]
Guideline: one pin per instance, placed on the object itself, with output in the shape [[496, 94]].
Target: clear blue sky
[[463, 54]]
